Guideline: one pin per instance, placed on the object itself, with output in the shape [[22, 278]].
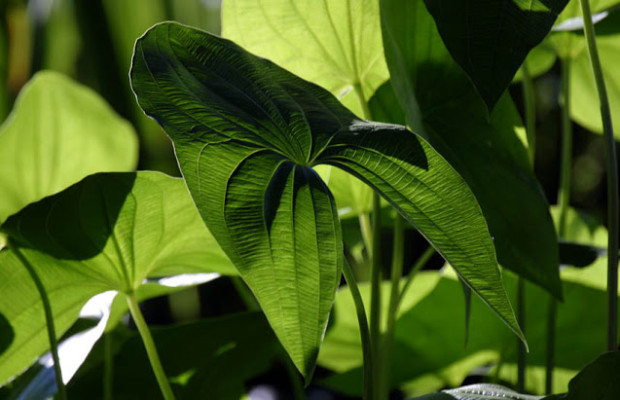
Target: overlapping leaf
[[58, 133], [490, 39], [246, 134], [110, 231], [437, 96]]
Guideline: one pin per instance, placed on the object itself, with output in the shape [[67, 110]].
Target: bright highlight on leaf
[[246, 133]]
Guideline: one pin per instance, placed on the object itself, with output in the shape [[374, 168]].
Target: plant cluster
[[303, 135]]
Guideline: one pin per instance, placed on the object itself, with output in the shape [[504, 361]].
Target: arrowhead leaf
[[246, 134]]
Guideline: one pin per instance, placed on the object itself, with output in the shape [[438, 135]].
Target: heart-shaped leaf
[[437, 96], [58, 133], [110, 231], [246, 134], [490, 39]]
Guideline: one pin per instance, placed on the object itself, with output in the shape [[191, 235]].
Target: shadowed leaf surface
[[490, 39]]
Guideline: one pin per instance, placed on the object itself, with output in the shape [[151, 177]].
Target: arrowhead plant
[[247, 134]]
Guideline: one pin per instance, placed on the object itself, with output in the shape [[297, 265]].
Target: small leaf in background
[[246, 133], [599, 380], [488, 153], [212, 357], [486, 391], [333, 43], [58, 133], [111, 231], [490, 39]]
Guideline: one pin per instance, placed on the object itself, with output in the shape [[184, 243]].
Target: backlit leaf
[[246, 134]]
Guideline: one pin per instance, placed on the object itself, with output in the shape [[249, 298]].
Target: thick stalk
[[529, 99], [375, 291], [149, 345], [563, 204], [364, 330], [521, 351], [49, 318], [108, 368], [375, 270], [397, 273], [612, 181], [529, 96]]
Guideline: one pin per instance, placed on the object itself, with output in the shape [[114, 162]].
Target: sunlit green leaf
[[439, 99], [335, 44], [246, 133], [110, 231], [490, 39], [58, 132]]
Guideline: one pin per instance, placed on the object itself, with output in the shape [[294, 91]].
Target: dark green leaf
[[439, 99], [599, 380], [490, 39], [246, 134], [110, 231], [579, 255]]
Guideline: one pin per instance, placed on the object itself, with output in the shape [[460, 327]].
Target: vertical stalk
[[397, 273], [108, 369], [563, 204], [529, 98], [375, 290], [49, 318], [149, 345], [612, 180], [521, 351], [375, 271], [364, 330]]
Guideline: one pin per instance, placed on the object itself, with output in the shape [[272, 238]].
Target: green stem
[[364, 330], [563, 205], [397, 273], [294, 377], [375, 289], [612, 181], [421, 262], [366, 229], [550, 356], [529, 96], [49, 318], [246, 295], [521, 351], [149, 345], [108, 383]]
